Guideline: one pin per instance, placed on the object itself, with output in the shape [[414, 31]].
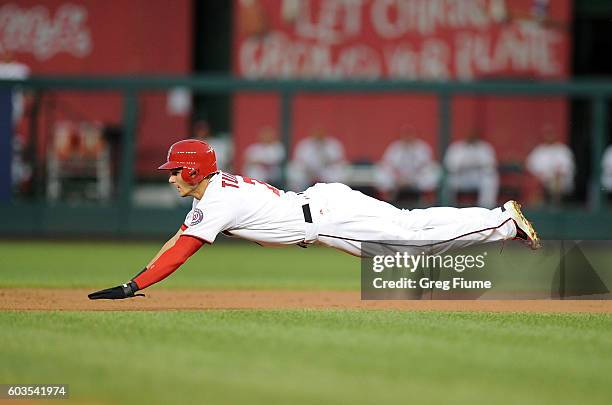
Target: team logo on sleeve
[[197, 217]]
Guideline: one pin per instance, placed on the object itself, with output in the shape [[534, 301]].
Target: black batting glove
[[121, 291]]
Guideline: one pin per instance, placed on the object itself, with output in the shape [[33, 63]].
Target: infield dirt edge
[[44, 299]]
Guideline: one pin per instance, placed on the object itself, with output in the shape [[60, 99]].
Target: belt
[[307, 213]]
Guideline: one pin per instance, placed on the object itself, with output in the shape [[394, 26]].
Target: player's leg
[[448, 228], [348, 234], [349, 207], [436, 230], [471, 225], [352, 218]]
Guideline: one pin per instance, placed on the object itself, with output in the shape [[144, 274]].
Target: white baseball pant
[[343, 218]]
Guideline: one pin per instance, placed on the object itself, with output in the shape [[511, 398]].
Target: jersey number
[[229, 180]]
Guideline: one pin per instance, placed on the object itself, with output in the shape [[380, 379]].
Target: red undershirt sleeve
[[169, 261]]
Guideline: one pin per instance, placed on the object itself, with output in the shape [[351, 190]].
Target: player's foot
[[524, 229]]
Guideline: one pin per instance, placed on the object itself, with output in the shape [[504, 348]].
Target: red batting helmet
[[196, 159]]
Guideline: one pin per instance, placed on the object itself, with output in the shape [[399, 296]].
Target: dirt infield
[[20, 299]]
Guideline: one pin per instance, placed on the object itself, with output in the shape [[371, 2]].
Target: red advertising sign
[[95, 37], [402, 39], [407, 39]]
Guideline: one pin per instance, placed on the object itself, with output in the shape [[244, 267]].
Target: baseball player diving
[[331, 215]]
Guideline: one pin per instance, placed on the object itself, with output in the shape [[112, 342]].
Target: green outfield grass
[[221, 266], [245, 265], [292, 357], [285, 357]]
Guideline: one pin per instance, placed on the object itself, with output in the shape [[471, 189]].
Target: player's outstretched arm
[[166, 246], [170, 257]]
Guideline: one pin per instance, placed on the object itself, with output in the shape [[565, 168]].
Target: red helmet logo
[[196, 159]]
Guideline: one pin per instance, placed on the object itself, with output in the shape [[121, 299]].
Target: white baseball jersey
[[472, 165], [407, 163], [407, 158], [265, 153], [337, 216], [552, 162], [469, 158], [316, 154], [247, 208], [317, 160], [263, 160]]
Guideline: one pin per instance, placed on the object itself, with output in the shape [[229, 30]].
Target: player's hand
[[115, 293]]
